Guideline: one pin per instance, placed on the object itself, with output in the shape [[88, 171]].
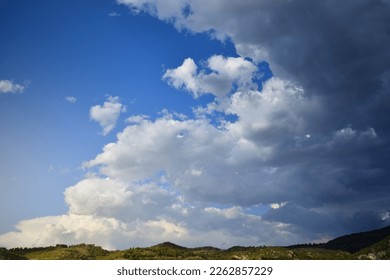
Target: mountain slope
[[353, 243], [378, 251]]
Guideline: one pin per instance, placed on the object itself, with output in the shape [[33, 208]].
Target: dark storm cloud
[[336, 50], [339, 52]]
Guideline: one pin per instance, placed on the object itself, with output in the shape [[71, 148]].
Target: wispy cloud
[[71, 99], [114, 14]]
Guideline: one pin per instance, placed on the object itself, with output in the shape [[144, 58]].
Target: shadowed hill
[[7, 255], [378, 251], [168, 245], [355, 242]]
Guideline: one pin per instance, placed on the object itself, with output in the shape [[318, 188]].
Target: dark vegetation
[[366, 245]]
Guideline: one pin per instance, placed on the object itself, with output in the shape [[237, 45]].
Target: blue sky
[[128, 123]]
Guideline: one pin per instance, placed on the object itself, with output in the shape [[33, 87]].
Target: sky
[[132, 122]]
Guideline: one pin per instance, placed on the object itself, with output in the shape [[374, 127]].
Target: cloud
[[161, 190], [114, 14], [195, 155], [264, 158], [71, 99], [7, 86], [108, 114], [95, 196], [321, 48], [69, 229], [144, 216], [323, 147], [224, 73], [165, 10]]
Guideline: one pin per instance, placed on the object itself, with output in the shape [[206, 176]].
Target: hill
[[355, 242], [366, 245]]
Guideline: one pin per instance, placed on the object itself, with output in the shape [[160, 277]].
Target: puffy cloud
[[148, 216], [108, 114], [195, 156], [95, 195], [7, 86], [112, 234], [68, 229], [183, 76], [224, 73]]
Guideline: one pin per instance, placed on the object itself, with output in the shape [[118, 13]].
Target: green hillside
[[366, 245]]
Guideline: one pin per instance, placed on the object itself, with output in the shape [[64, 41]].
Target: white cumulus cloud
[[224, 73], [107, 114]]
